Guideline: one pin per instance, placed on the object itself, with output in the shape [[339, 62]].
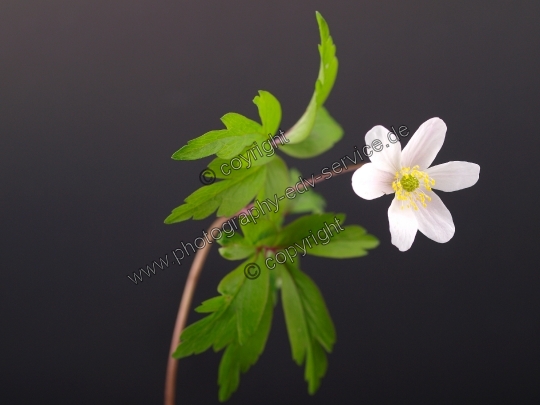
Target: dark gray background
[[95, 96]]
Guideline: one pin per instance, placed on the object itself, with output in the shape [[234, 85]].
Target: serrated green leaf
[[225, 143], [236, 251], [229, 373], [353, 241], [255, 154], [243, 302], [316, 366], [277, 180], [295, 317], [241, 324], [309, 325], [301, 130], [306, 226], [226, 332], [239, 358], [251, 300], [307, 202], [268, 202], [199, 336], [234, 238], [221, 167], [269, 111], [262, 233], [233, 281], [236, 247], [329, 63], [325, 81], [211, 305], [324, 134], [317, 315], [227, 196]]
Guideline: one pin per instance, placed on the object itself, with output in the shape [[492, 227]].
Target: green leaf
[[309, 326], [250, 301], [277, 180], [211, 305], [240, 133], [240, 320], [353, 241], [237, 251], [199, 336], [225, 143], [227, 196], [301, 130], [295, 317], [317, 315], [268, 200], [222, 167], [329, 63], [233, 281], [256, 154], [269, 111], [325, 81], [307, 202], [225, 333], [234, 238], [262, 233], [239, 358], [234, 316], [324, 134], [308, 227]]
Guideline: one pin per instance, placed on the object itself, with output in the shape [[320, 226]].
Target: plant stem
[[187, 297], [183, 311]]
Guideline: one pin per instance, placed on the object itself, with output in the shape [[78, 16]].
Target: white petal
[[435, 221], [386, 156], [453, 176], [424, 144], [403, 225], [369, 182]]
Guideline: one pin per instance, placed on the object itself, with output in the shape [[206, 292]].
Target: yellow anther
[[407, 187]]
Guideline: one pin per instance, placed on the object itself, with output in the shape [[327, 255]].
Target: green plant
[[239, 319]]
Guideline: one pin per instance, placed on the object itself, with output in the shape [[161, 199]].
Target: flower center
[[409, 182], [407, 187]]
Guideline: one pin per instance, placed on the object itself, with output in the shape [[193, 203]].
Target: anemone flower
[[408, 175]]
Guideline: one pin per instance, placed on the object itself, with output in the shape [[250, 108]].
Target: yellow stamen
[[407, 184]]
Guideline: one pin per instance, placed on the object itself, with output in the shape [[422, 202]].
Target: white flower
[[408, 175]]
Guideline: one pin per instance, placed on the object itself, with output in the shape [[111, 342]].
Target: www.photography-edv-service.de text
[[254, 211]]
